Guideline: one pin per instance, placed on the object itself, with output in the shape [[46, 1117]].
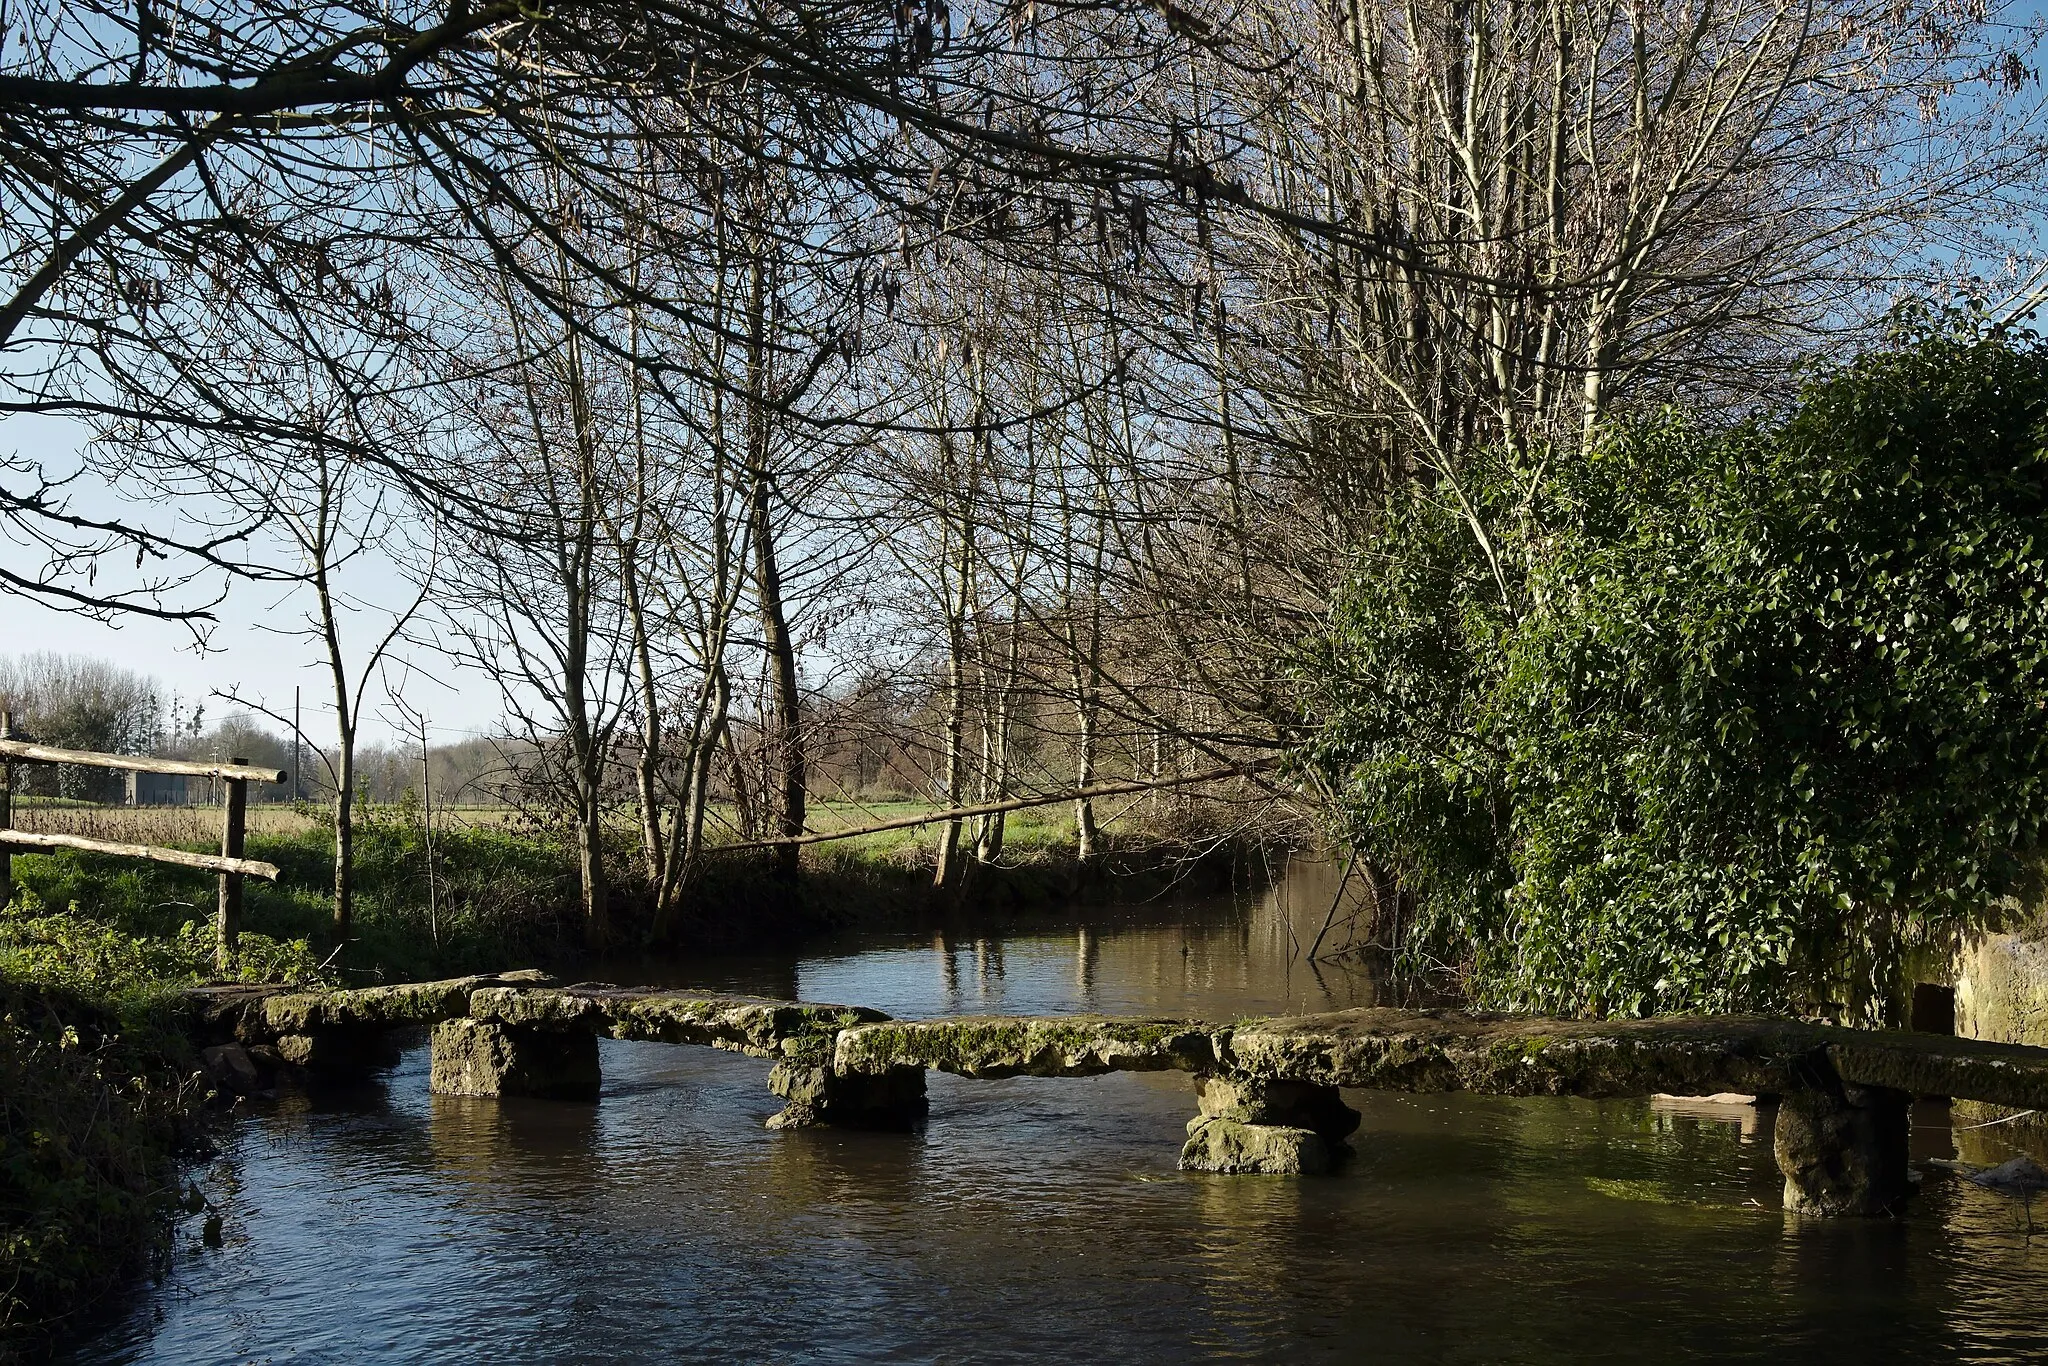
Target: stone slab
[[402, 1003], [1029, 1046], [1940, 1065], [1514, 1055], [756, 1026], [1450, 1050]]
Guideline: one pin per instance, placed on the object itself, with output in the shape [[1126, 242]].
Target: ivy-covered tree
[[1732, 717]]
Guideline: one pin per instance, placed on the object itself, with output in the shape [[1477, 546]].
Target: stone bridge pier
[[544, 1044], [1843, 1149], [1264, 1125], [486, 1058]]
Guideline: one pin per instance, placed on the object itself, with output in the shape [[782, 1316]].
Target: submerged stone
[[230, 1067], [484, 1058], [1233, 1148]]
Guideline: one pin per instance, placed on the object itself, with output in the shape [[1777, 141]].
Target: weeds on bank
[[98, 1086]]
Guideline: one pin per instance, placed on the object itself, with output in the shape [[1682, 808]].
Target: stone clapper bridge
[[1268, 1090]]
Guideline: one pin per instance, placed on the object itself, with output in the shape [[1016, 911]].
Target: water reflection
[[1034, 1220], [1227, 960]]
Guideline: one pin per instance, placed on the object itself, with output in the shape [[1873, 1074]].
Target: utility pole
[[298, 748]]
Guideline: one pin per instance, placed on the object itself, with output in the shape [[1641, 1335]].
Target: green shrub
[[1737, 717]]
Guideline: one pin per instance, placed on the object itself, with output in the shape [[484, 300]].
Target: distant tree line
[[76, 701]]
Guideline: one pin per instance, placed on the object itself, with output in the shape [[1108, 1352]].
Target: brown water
[[1043, 1220]]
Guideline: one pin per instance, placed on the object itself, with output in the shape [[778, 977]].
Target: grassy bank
[[499, 893]]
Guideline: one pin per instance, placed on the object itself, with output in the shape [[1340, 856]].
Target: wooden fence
[[235, 776]]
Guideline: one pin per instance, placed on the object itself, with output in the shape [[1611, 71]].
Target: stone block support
[[339, 1050], [1257, 1100], [1843, 1149], [816, 1094], [483, 1058], [1233, 1148], [1275, 1128]]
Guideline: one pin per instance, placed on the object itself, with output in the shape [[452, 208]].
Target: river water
[[1043, 1220]]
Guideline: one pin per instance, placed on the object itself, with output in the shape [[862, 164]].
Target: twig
[[1335, 901]]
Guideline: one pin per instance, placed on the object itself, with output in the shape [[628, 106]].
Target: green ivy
[[1735, 716]]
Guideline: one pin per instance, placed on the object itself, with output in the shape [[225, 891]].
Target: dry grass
[[176, 825]]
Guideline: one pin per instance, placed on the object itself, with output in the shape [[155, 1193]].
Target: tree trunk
[[785, 737], [344, 839], [947, 873], [1086, 838], [647, 772], [590, 864], [345, 759]]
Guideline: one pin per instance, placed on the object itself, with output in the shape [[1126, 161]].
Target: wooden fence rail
[[141, 763], [235, 775], [211, 863]]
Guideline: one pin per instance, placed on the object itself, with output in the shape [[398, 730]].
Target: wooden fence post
[[6, 811], [228, 925]]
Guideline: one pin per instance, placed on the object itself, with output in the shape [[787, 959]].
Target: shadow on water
[[1035, 1220]]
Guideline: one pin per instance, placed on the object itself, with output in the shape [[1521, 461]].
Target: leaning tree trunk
[[647, 772], [786, 751], [345, 759], [590, 864]]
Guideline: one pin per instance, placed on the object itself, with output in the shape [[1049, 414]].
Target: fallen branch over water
[[1011, 804]]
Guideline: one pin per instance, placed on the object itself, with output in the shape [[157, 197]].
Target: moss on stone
[[302, 1012], [1028, 1046]]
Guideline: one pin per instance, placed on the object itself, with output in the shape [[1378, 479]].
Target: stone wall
[[2002, 996], [2002, 988]]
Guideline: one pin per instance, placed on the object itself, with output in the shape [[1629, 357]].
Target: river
[[1043, 1220]]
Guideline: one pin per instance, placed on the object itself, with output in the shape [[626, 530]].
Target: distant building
[[159, 789]]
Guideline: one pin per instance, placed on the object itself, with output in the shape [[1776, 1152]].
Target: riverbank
[[100, 1096], [488, 896]]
